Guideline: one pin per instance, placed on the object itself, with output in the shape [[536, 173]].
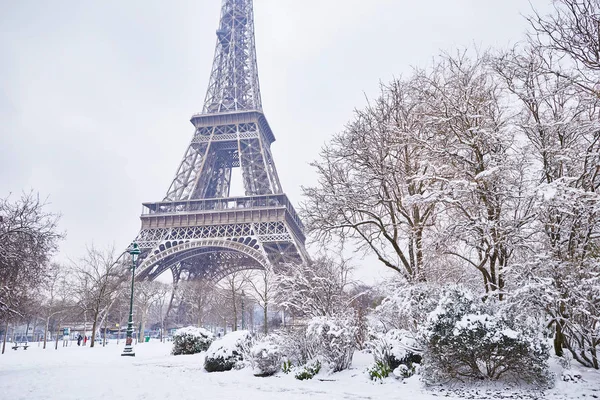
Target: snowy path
[[101, 373]]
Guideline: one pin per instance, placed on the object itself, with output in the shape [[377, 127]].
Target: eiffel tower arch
[[198, 231]]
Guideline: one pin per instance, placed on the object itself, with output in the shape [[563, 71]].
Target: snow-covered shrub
[[191, 340], [396, 348], [266, 356], [332, 340], [404, 371], [466, 338], [308, 371], [294, 347], [225, 353]]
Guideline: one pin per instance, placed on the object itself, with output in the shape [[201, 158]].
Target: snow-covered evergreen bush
[[378, 371], [396, 348], [225, 353], [191, 340], [466, 338], [266, 356], [332, 340]]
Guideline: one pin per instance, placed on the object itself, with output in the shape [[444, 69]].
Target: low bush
[[332, 340], [308, 370], [266, 356], [467, 338], [405, 371], [287, 367], [395, 348], [224, 354], [378, 371], [191, 340]]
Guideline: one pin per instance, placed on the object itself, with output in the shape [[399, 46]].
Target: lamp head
[[134, 251]]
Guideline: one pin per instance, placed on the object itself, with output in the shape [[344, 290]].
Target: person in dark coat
[[79, 338]]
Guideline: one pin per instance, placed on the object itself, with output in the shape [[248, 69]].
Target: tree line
[[484, 169]]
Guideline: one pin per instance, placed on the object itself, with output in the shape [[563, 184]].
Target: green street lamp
[[128, 350]]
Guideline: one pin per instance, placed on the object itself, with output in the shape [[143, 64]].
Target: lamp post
[[128, 350]]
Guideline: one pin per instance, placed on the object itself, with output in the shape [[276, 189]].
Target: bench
[[23, 345]]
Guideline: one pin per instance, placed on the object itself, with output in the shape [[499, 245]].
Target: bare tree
[[99, 279], [485, 204], [55, 296], [376, 183], [231, 290], [572, 30], [147, 294], [28, 238], [318, 288], [561, 121], [198, 295], [160, 305], [262, 290]]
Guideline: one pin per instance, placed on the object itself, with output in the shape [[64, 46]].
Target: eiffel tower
[[198, 231]]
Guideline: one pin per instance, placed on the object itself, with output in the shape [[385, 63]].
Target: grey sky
[[95, 96]]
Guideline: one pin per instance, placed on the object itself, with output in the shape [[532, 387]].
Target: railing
[[223, 204]]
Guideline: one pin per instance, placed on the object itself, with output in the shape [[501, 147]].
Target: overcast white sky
[[96, 96]]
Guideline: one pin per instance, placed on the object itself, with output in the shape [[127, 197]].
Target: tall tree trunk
[[84, 326], [235, 315], [27, 332], [558, 340], [46, 331], [94, 327], [33, 330], [57, 335], [266, 322], [5, 335], [143, 316]]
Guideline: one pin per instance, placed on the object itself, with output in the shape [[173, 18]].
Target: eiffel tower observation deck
[[198, 231]]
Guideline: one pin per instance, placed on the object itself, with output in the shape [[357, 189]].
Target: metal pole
[[128, 350]]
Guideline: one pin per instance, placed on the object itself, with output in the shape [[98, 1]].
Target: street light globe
[[134, 251]]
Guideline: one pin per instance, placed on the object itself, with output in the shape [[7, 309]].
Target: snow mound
[[224, 354]]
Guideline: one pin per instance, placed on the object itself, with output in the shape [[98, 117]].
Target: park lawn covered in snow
[[101, 373]]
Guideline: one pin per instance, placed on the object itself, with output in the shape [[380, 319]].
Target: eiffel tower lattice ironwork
[[198, 231]]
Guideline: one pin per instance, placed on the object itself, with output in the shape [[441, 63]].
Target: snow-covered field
[[101, 373]]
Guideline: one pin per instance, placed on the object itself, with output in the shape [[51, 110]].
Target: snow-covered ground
[[101, 373]]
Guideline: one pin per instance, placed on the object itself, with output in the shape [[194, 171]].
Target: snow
[[101, 373], [194, 331]]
